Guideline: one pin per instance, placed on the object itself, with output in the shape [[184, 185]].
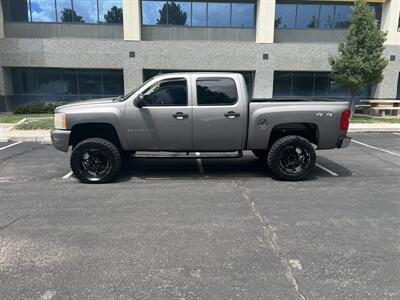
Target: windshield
[[128, 95]]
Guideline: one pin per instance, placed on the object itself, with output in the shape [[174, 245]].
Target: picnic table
[[382, 108]]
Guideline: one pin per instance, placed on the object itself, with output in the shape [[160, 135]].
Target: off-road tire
[[108, 149], [276, 150]]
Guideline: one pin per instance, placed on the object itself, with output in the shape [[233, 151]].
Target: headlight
[[60, 121]]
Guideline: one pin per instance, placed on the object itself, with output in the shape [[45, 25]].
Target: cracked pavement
[[166, 230]]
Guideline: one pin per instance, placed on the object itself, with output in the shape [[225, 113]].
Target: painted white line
[[327, 170], [8, 146], [68, 176], [396, 133], [376, 148], [199, 163]]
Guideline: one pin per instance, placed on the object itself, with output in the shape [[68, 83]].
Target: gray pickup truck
[[209, 114]]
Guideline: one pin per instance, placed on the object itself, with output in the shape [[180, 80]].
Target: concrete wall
[[62, 30], [308, 35], [158, 33]]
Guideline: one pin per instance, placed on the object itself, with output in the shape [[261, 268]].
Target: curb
[[36, 139]]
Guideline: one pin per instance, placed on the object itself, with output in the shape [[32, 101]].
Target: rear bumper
[[60, 139], [343, 142]]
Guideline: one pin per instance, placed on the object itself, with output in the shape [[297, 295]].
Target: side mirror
[[139, 101]]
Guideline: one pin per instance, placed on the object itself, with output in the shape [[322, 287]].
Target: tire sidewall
[[276, 150]]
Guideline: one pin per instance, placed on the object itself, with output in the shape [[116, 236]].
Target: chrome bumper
[[60, 139], [344, 141]]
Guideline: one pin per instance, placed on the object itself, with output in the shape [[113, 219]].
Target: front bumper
[[60, 139], [344, 141]]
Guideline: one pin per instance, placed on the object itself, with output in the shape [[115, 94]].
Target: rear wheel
[[95, 160], [291, 158]]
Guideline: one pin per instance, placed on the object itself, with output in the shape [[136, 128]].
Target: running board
[[145, 154]]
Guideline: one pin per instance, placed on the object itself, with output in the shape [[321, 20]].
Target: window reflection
[[43, 11], [110, 11], [342, 15], [186, 13], [285, 16], [64, 11], [243, 14], [327, 17], [307, 16], [219, 14], [87, 9], [199, 14]]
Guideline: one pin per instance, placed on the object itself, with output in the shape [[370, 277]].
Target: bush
[[38, 108]]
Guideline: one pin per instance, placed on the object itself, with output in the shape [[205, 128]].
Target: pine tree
[[360, 62]]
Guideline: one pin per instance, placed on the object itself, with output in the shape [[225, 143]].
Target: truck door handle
[[231, 115], [180, 116]]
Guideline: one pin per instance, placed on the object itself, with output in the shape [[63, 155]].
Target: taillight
[[345, 120]]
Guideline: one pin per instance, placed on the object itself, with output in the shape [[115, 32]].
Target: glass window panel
[[87, 9], [336, 91], [49, 81], [110, 11], [152, 12], [303, 84], [327, 16], [219, 14], [179, 13], [113, 83], [23, 81], [398, 87], [167, 93], [307, 16], [16, 10], [199, 13], [89, 82], [216, 91], [342, 15], [70, 82], [321, 84], [243, 14], [43, 11], [285, 15], [64, 11], [283, 84]]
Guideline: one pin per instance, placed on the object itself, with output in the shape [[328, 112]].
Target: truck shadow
[[185, 169]]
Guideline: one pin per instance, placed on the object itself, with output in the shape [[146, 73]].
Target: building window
[[188, 13], [398, 88], [309, 84], [248, 76], [51, 84], [78, 11], [325, 16]]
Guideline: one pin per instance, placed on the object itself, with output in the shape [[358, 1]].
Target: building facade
[[65, 50]]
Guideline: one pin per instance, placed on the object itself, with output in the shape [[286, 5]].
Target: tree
[[69, 15], [360, 62], [114, 15], [173, 13]]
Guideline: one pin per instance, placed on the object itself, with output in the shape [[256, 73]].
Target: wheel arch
[[307, 130]]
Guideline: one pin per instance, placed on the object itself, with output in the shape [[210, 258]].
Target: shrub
[[38, 108]]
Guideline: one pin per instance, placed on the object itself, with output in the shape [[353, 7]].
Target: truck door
[[165, 120], [218, 113]]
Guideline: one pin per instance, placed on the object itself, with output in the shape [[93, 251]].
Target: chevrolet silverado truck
[[207, 114]]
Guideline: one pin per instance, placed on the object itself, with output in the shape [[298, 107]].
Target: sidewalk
[[7, 134]]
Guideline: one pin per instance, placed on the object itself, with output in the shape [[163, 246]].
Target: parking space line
[[396, 133], [327, 170], [67, 176], [199, 163], [376, 148], [8, 146]]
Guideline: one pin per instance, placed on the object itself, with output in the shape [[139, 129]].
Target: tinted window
[[113, 82], [167, 93], [321, 84], [43, 11], [243, 14], [219, 14], [398, 87], [216, 91], [342, 15], [179, 13], [49, 82], [283, 84], [64, 11], [110, 11], [307, 16], [16, 10], [303, 84], [285, 16], [199, 13]]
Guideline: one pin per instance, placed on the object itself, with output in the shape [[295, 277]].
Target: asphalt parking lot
[[202, 229]]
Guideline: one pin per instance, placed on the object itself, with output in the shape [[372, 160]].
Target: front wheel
[[291, 158], [95, 160]]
